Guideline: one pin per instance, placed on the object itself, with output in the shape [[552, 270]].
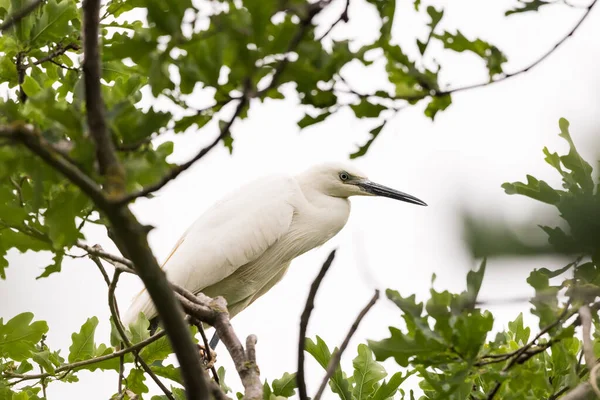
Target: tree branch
[[175, 171], [70, 367], [109, 164], [121, 329], [31, 138], [20, 14], [337, 356], [214, 312], [310, 304], [59, 50], [343, 18]]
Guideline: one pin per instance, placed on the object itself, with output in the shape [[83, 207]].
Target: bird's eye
[[344, 176]]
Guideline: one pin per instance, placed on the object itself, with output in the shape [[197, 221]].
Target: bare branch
[[110, 167], [214, 312], [310, 304], [20, 14], [588, 346], [343, 18], [337, 356]]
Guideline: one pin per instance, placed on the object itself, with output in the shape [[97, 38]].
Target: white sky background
[[486, 137]]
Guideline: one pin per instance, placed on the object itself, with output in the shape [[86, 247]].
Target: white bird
[[243, 245]]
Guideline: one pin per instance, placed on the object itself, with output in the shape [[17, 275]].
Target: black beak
[[384, 191]]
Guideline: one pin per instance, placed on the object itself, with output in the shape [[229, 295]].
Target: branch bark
[[109, 164], [213, 312], [310, 304]]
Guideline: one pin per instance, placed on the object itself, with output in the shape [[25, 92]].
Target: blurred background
[[456, 164]]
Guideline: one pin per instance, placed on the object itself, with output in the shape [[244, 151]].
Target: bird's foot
[[208, 358]]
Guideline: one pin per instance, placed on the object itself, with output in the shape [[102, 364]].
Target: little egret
[[243, 245]]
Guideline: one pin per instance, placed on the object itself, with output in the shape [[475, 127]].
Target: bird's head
[[342, 180]]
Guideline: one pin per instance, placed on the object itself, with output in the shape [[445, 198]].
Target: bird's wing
[[230, 234]]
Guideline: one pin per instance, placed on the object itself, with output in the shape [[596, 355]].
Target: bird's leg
[[208, 358]]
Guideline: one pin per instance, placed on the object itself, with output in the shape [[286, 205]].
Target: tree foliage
[[242, 53]]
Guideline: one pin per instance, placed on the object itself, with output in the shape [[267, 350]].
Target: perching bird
[[243, 245]]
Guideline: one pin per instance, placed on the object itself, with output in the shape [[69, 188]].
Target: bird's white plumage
[[242, 246]]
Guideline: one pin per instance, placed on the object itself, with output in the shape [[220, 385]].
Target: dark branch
[[214, 312], [174, 173], [305, 23], [310, 304], [59, 50], [109, 164], [337, 356], [32, 139], [19, 15], [343, 18]]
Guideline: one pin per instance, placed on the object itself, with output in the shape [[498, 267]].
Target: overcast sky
[[486, 137]]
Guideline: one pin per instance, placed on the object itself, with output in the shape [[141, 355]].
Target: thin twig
[[343, 18], [504, 77], [175, 171], [207, 350], [109, 164], [594, 379], [20, 14], [212, 311], [70, 367], [59, 50], [334, 362], [310, 304]]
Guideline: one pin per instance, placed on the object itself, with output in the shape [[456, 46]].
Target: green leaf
[[521, 334], [167, 371], [308, 120], [582, 171], [157, 350], [61, 213], [367, 373], [139, 329], [532, 5], [54, 267], [135, 381], [30, 86], [388, 389], [537, 190], [321, 353], [362, 150], [221, 374], [82, 347], [403, 347], [493, 57], [437, 103], [436, 17], [53, 24], [366, 109], [43, 359], [19, 336], [285, 385]]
